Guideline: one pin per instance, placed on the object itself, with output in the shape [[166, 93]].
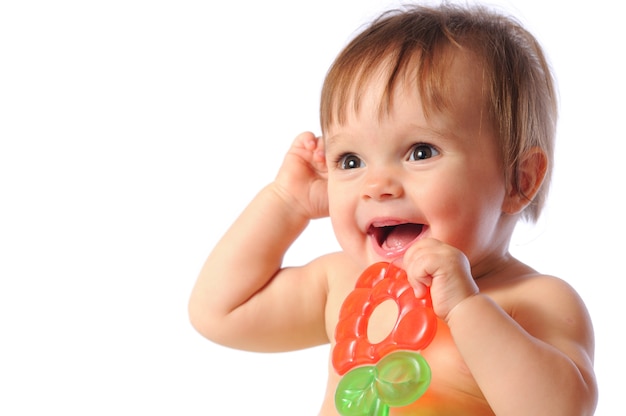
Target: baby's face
[[401, 177]]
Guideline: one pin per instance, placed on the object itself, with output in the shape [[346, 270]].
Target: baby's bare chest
[[452, 388]]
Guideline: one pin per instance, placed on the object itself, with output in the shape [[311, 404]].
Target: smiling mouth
[[395, 237]]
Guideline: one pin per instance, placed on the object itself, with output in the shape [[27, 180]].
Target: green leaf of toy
[[401, 378], [356, 394]]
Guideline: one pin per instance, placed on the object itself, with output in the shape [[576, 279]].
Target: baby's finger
[[306, 140], [420, 289], [319, 155], [320, 152]]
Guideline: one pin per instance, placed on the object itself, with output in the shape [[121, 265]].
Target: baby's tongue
[[401, 235]]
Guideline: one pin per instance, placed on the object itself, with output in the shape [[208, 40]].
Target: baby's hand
[[301, 180], [444, 269]]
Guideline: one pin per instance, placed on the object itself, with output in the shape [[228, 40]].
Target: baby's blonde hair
[[519, 87]]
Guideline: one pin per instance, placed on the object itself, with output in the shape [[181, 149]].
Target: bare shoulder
[[536, 294], [549, 309], [533, 296], [335, 271], [335, 265], [340, 274]]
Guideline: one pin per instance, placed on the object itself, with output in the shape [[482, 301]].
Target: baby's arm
[[537, 357], [243, 297], [539, 360]]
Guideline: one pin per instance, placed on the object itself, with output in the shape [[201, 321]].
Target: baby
[[438, 128]]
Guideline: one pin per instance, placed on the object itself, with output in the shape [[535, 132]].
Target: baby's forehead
[[442, 85]]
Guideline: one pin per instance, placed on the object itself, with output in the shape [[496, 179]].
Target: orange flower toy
[[392, 372]]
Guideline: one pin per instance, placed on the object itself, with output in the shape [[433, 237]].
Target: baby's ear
[[523, 187]]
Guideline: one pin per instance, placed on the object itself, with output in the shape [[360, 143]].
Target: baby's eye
[[350, 161], [423, 151]]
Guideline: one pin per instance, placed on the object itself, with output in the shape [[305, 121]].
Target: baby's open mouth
[[395, 237]]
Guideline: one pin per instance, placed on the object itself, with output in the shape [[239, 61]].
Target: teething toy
[[392, 372]]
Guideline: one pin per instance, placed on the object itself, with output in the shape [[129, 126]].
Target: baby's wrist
[[288, 207], [460, 306]]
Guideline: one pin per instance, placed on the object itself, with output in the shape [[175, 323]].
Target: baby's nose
[[381, 185]]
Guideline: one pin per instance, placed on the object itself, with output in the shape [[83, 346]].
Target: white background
[[133, 132]]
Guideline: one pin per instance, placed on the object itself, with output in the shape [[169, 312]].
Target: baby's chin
[[362, 260]]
